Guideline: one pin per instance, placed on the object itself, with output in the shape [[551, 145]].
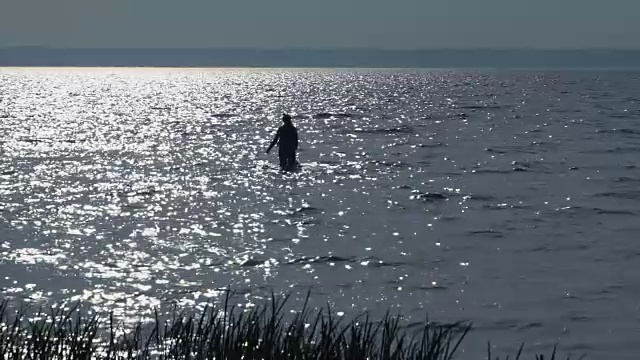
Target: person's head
[[286, 119]]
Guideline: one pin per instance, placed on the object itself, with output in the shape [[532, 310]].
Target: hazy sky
[[321, 23]]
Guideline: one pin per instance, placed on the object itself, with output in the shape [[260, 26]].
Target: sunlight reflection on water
[[448, 191]]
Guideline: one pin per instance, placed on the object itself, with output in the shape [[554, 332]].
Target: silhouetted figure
[[287, 140]]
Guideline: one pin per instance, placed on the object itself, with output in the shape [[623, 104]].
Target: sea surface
[[507, 198]]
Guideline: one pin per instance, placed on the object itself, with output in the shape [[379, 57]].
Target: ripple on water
[[464, 193]]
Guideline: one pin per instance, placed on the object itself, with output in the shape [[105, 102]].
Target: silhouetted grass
[[224, 332]]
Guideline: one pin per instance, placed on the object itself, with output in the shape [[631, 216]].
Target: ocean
[[508, 198]]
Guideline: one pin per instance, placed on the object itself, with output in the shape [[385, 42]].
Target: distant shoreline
[[338, 58]]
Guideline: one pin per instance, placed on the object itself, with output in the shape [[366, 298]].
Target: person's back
[[287, 140], [288, 137]]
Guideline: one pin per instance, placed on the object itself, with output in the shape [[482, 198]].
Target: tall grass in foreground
[[225, 332]]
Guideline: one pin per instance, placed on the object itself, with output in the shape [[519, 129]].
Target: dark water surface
[[508, 198]]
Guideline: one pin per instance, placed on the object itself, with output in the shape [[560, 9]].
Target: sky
[[383, 24]]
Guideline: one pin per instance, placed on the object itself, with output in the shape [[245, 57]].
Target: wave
[[629, 195], [49, 141], [307, 210], [398, 164], [428, 196], [497, 171], [223, 115], [438, 144], [613, 212], [489, 232], [627, 179], [394, 130], [320, 259], [328, 115], [481, 107], [577, 210]]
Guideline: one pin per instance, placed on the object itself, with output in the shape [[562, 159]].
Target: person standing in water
[[287, 140]]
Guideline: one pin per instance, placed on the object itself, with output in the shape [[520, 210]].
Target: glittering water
[[506, 198]]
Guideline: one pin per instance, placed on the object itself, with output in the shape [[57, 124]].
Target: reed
[[224, 332]]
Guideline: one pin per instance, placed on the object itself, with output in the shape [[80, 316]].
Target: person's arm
[[296, 138], [275, 141]]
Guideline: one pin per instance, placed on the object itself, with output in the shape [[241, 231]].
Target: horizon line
[[46, 47]]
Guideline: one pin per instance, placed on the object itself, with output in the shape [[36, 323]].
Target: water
[[508, 198]]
